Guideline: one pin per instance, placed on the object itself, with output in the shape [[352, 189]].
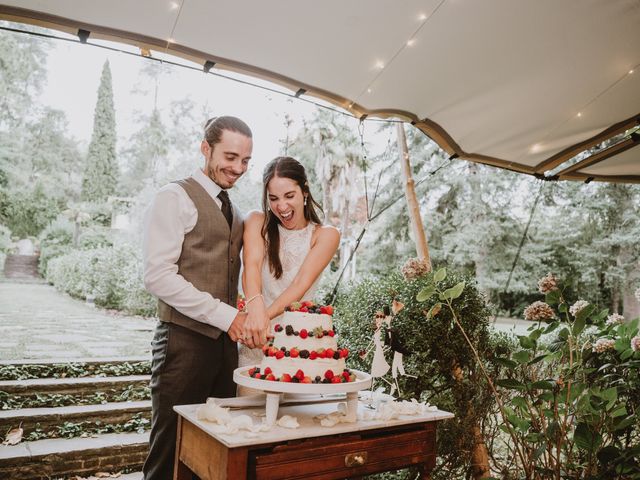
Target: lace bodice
[[294, 246]]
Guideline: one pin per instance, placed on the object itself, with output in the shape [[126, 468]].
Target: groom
[[192, 243]]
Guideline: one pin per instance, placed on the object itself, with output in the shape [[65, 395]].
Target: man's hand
[[237, 327]]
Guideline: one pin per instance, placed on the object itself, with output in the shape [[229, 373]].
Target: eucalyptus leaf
[[552, 297], [440, 275], [521, 356], [542, 385], [510, 383], [587, 438], [505, 362], [426, 293]]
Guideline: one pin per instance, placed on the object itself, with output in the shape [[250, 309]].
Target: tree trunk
[[412, 201], [479, 455]]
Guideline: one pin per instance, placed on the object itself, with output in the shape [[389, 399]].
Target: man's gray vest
[[210, 257]]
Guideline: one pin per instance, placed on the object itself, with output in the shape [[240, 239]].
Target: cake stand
[[275, 389]]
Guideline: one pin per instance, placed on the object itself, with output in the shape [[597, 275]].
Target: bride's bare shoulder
[[254, 217], [327, 232]]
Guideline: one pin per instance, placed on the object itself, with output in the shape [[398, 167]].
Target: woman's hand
[[257, 324]]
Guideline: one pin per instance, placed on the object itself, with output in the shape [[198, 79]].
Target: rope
[[524, 236]]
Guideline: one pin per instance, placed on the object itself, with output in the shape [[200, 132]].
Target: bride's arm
[[257, 321], [319, 256]]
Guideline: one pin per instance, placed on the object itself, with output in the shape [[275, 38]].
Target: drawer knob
[[355, 459]]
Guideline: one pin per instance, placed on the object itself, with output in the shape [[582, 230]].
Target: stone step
[[44, 459], [72, 386], [46, 420], [21, 266], [31, 369], [88, 361]]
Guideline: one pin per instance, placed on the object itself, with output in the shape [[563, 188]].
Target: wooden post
[[420, 237]]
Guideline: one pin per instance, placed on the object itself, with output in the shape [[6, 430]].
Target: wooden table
[[347, 450]]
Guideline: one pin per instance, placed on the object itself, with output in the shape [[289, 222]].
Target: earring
[[305, 201]]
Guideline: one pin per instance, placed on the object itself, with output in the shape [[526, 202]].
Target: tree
[[22, 75], [147, 150], [101, 169]]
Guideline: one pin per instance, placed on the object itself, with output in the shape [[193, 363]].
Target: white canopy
[[523, 85]]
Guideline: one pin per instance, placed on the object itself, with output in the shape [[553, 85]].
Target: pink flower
[[548, 284], [615, 319], [635, 343], [539, 311], [604, 344]]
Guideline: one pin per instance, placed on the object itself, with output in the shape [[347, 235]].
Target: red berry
[[252, 371], [280, 354], [285, 377], [328, 374], [313, 355], [267, 371], [329, 310], [344, 353], [336, 380], [294, 353], [346, 375], [304, 333], [304, 309], [331, 333], [306, 380], [307, 303], [270, 377], [328, 353], [299, 375], [323, 310]]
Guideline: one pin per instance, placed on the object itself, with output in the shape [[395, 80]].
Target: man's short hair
[[216, 125]]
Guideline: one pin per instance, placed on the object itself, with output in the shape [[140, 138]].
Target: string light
[[368, 90], [422, 17], [174, 5], [410, 42], [630, 71], [379, 64], [579, 114]]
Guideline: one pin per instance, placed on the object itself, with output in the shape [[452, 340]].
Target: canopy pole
[[419, 234]]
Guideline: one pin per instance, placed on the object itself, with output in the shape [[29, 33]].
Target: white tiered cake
[[304, 349]]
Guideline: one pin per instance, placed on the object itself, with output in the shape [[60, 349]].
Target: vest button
[[231, 260]]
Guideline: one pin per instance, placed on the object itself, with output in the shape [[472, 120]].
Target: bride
[[286, 248]]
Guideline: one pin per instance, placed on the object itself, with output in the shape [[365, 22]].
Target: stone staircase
[[21, 267], [74, 425]]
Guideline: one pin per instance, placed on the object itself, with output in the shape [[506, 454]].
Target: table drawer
[[347, 457]]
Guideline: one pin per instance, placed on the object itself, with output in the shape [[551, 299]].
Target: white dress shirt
[[172, 215]]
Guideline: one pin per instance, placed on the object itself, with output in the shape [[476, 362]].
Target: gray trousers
[[186, 368]]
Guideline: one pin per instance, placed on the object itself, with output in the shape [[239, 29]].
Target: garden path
[[38, 322]]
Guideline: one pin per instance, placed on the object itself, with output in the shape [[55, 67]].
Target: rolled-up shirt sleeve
[[169, 218]]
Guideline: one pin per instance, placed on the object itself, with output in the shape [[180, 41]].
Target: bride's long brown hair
[[284, 167]]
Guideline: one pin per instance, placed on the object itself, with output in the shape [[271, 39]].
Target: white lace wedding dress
[[294, 246]]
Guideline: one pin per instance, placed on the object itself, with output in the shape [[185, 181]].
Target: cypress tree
[[101, 169]]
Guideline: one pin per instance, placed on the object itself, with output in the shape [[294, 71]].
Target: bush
[[571, 406], [55, 240], [447, 374], [111, 275]]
